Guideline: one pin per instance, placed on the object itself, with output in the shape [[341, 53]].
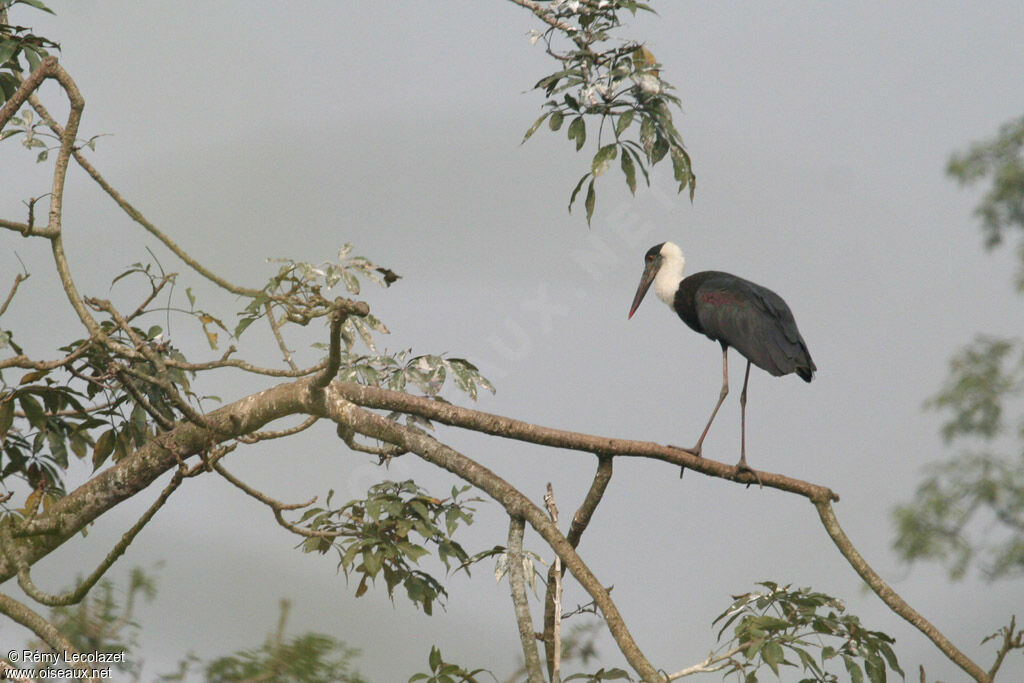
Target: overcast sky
[[819, 134]]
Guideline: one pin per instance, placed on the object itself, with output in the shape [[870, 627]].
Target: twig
[[710, 664], [18, 279], [553, 600], [275, 327], [517, 584], [279, 433], [276, 506], [1012, 640], [890, 597], [135, 214], [342, 308], [552, 606], [545, 15]]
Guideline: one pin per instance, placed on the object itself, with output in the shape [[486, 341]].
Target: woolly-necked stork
[[734, 312]]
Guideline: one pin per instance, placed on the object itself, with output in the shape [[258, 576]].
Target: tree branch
[[517, 584], [35, 622], [552, 606], [333, 405], [890, 597], [553, 600], [75, 596], [497, 425], [710, 664], [134, 213]]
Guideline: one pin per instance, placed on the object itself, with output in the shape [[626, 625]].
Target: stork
[[735, 312]]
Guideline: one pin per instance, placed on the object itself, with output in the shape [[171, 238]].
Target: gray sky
[[819, 135]]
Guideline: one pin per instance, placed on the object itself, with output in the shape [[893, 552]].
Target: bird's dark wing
[[754, 320]]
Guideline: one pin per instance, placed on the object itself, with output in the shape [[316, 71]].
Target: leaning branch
[[891, 597], [332, 404]]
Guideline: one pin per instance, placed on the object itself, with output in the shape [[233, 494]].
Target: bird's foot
[[692, 451], [747, 475]]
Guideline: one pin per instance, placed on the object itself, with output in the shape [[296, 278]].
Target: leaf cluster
[[104, 622], [1001, 159], [426, 373], [778, 627], [388, 532], [970, 508], [85, 408], [446, 672], [615, 83], [306, 658], [18, 43]]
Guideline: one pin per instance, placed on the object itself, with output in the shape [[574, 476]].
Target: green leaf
[[535, 126], [6, 417], [629, 170], [578, 132], [555, 122], [603, 158], [772, 655], [32, 56], [591, 199], [103, 448], [623, 123], [37, 4], [30, 377], [659, 150], [576, 190], [33, 411], [435, 658], [647, 134], [8, 48]]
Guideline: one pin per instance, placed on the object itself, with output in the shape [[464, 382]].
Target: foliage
[[18, 43], [617, 82], [306, 658], [444, 672], [779, 627], [969, 510], [100, 623], [375, 536], [1002, 160]]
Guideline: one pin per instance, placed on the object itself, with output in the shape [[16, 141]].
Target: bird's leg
[[696, 450], [742, 466]]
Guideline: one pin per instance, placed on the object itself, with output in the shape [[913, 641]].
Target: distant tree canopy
[[969, 509]]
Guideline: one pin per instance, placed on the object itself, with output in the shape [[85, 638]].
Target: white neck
[[666, 282]]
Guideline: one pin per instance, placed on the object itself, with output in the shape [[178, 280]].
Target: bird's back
[[742, 314]]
